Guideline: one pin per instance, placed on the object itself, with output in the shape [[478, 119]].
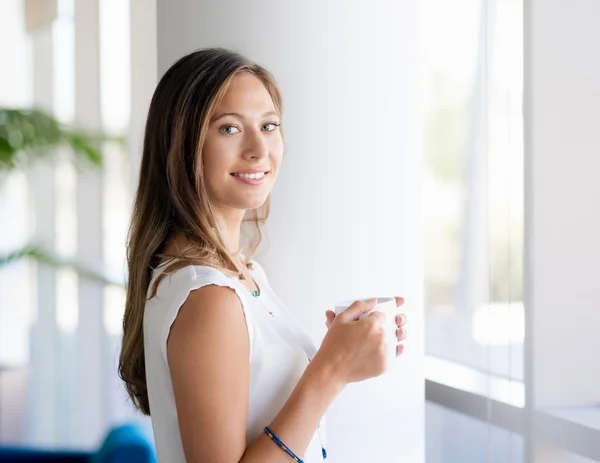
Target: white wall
[[562, 120], [143, 75], [345, 216]]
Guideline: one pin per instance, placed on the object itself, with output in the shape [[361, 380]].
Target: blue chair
[[127, 443]]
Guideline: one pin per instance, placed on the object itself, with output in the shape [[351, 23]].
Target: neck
[[230, 223]]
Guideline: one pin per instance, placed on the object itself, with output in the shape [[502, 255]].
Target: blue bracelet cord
[[281, 445], [285, 448]]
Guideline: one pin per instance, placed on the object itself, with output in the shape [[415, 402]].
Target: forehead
[[246, 92]]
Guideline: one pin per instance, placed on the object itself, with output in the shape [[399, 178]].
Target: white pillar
[[91, 381], [44, 335], [345, 217], [562, 142], [562, 101]]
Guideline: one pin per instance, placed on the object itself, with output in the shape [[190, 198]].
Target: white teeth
[[258, 175]]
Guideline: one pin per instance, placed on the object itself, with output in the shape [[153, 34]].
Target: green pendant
[[255, 293]]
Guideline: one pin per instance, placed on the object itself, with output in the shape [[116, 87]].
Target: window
[[72, 334], [472, 191], [512, 343]]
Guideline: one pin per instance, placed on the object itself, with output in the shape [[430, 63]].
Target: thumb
[[357, 309]]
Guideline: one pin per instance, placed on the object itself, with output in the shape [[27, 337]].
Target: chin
[[255, 205], [246, 203]]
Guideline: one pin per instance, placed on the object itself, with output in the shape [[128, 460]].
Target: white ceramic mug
[[386, 305]]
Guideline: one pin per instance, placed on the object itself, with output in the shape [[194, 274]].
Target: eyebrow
[[240, 116]]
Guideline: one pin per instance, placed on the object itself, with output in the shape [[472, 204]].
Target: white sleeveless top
[[279, 353]]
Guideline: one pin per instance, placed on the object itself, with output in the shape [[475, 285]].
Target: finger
[[399, 301], [377, 317], [401, 334], [399, 350], [356, 309], [330, 315], [400, 320]]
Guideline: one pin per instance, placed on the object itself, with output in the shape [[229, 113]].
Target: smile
[[251, 176], [251, 179]]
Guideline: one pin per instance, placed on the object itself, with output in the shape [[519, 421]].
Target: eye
[[270, 126], [229, 129]]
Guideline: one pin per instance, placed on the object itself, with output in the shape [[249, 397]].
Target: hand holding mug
[[400, 320]]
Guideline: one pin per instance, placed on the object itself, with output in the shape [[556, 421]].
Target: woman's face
[[243, 137]]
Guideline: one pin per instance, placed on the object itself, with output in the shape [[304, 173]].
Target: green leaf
[[29, 135], [43, 256]]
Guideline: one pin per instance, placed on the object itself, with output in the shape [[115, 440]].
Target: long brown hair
[[172, 195]]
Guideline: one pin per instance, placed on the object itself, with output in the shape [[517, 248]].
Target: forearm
[[297, 421]]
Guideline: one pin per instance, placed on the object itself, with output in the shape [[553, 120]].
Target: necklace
[[255, 294], [256, 297]]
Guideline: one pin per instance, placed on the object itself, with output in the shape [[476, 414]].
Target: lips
[[252, 171], [251, 181]]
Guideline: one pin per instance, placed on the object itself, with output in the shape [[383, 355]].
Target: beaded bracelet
[[281, 445]]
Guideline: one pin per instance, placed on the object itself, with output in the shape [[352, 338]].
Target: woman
[[208, 348]]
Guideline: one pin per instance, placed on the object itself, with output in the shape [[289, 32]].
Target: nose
[[256, 145]]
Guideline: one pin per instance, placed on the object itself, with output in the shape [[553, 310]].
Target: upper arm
[[208, 351]]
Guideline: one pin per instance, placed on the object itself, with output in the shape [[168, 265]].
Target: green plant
[[28, 136]]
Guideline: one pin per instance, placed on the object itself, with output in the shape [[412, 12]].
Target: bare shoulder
[[211, 310]]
